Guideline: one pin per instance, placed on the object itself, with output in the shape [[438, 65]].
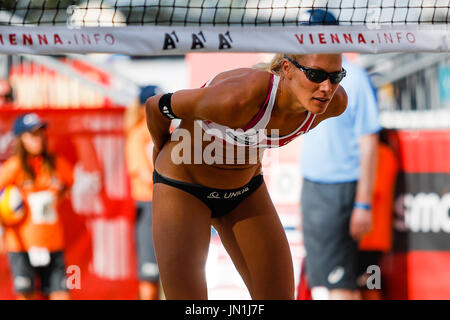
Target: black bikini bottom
[[219, 201]]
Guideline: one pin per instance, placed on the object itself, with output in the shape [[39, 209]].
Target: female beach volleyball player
[[247, 109]]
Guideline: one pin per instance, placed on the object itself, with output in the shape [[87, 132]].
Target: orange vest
[[380, 237], [42, 226]]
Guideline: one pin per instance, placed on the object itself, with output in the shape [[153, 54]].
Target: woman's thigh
[[255, 239], [181, 233]]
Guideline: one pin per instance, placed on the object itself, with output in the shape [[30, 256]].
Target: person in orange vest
[[139, 149], [379, 239], [35, 245]]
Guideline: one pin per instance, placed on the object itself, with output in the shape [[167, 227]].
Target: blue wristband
[[364, 206]]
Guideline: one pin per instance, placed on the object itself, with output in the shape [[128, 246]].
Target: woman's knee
[[275, 283]]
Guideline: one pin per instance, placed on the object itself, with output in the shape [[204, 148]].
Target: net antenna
[[166, 27]]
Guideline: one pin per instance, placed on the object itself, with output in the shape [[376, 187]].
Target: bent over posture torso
[[208, 172]]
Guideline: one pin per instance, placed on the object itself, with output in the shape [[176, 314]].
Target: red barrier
[[418, 266], [423, 151], [98, 219], [38, 87]]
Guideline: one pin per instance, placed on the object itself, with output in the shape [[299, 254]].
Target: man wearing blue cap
[[337, 194], [139, 149]]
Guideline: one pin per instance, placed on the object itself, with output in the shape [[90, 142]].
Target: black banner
[[422, 217]]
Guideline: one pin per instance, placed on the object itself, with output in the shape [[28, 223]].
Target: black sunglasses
[[318, 76]]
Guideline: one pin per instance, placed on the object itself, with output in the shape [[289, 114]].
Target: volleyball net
[[155, 27]]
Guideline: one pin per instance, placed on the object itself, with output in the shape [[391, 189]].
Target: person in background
[[379, 240], [35, 246], [338, 163], [6, 93], [139, 149]]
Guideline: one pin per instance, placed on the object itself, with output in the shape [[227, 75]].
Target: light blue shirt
[[330, 151]]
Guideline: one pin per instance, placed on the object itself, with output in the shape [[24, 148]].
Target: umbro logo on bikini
[[235, 193], [213, 195], [228, 195]]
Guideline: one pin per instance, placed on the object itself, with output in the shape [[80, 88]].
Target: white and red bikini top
[[255, 134]]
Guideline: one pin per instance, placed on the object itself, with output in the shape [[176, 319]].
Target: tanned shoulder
[[338, 104], [255, 87], [247, 90]]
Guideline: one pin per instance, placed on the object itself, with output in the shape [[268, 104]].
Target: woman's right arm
[[157, 124]]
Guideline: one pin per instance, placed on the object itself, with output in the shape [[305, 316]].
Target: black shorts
[[147, 266], [51, 277], [331, 253], [219, 201]]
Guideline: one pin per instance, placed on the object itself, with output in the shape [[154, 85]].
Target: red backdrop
[[98, 218], [418, 266]]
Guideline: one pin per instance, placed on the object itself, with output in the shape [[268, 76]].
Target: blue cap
[[27, 122], [147, 92], [318, 17]]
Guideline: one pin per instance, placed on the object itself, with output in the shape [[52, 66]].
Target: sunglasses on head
[[318, 76]]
